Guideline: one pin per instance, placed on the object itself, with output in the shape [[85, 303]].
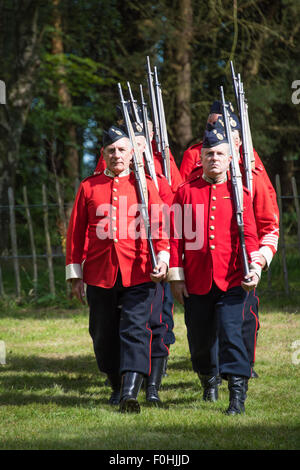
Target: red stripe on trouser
[[149, 329], [256, 324]]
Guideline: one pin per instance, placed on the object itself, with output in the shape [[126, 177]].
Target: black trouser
[[157, 324], [216, 316], [251, 324], [168, 305], [119, 327]]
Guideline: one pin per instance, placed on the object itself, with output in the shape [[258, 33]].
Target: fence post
[[13, 235], [30, 228], [281, 237], [48, 242]]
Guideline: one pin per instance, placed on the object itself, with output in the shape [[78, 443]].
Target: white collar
[[109, 173], [212, 181]]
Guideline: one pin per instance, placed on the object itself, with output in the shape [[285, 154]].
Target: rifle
[[2, 92], [165, 153], [153, 105], [148, 148], [248, 154], [237, 191], [138, 168]]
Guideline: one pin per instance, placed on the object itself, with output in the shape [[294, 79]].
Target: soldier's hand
[[252, 282], [160, 272], [78, 290], [179, 291], [263, 261]]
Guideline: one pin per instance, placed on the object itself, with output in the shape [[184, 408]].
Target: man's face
[[117, 156], [236, 139], [141, 142], [216, 161], [212, 118]]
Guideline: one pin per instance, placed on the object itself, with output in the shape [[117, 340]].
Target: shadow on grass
[[132, 436], [69, 381]]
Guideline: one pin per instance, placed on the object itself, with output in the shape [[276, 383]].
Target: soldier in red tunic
[[117, 268], [166, 193], [266, 216], [176, 178], [206, 272]]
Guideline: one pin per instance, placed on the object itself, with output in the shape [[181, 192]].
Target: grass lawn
[[53, 397]]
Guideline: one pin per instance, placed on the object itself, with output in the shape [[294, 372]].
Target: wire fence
[[41, 230]]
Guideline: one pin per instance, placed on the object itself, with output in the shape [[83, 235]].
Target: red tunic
[[212, 253], [265, 206], [190, 157], [105, 211]]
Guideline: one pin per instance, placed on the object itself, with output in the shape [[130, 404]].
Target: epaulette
[[197, 167], [258, 168], [198, 144], [96, 173], [189, 181], [161, 175]]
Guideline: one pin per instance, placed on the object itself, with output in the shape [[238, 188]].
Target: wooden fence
[[49, 253]]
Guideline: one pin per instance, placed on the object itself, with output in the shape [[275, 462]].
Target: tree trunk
[[23, 46], [71, 157], [183, 90]]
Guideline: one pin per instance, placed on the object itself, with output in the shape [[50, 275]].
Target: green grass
[[53, 397]]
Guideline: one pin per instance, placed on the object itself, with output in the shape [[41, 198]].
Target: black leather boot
[[210, 386], [114, 381], [130, 387], [154, 380], [237, 387]]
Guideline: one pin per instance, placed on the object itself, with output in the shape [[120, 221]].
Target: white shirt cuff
[[73, 271], [256, 268], [164, 256], [267, 254], [175, 274]]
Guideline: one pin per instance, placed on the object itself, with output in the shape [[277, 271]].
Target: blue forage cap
[[113, 134], [234, 122], [128, 106], [214, 135], [137, 128], [216, 108]]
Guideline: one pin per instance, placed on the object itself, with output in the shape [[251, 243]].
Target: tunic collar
[[212, 181], [109, 173]]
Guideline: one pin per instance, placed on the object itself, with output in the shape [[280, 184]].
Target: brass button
[[114, 208], [115, 198], [212, 247], [211, 237], [212, 227], [114, 217], [212, 217], [115, 190], [115, 229], [213, 208], [214, 186], [214, 198], [115, 240], [116, 180]]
